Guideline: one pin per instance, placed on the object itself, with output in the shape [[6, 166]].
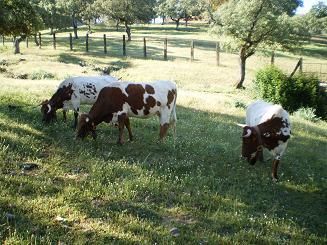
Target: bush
[[292, 93], [40, 75], [307, 113]]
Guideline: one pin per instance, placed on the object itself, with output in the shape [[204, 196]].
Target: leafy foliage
[[19, 17], [127, 12], [251, 24], [292, 93]]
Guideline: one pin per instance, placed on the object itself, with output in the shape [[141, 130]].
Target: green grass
[[136, 193]]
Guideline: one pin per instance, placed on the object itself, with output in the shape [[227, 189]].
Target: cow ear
[[241, 125]]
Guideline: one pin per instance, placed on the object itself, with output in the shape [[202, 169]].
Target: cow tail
[[173, 117]]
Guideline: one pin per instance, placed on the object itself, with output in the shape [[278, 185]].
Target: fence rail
[[318, 69], [149, 47]]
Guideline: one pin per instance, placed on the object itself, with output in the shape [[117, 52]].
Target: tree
[[52, 15], [75, 9], [160, 9], [128, 11], [182, 9], [19, 19], [317, 18], [257, 23]]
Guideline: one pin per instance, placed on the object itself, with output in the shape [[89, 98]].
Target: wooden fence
[[114, 46]]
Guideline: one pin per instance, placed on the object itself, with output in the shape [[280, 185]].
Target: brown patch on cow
[[170, 97], [273, 131], [150, 102], [149, 89], [135, 96], [105, 108], [270, 134]]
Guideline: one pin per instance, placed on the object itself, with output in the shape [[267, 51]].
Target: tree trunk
[[243, 58], [89, 25], [177, 24], [117, 25], [16, 45], [163, 20], [36, 40], [74, 22], [128, 31]]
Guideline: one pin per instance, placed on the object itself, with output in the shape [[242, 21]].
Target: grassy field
[[96, 192]]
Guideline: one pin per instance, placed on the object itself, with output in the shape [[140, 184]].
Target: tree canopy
[[128, 11], [19, 17], [255, 23]]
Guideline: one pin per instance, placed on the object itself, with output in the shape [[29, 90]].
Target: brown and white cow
[[71, 93], [267, 126], [121, 100]]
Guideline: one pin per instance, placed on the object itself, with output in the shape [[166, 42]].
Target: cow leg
[[260, 155], [121, 124], [128, 126], [163, 130], [64, 113], [274, 168], [76, 117]]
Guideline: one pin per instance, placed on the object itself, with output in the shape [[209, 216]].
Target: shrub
[[39, 75], [292, 93], [307, 113]]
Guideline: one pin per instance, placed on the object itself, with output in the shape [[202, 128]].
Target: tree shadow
[[200, 174]]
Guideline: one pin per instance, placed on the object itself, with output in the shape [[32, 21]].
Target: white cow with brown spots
[[72, 92], [121, 100], [267, 126]]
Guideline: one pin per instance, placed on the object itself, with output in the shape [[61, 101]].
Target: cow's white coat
[[161, 88], [261, 111], [81, 86]]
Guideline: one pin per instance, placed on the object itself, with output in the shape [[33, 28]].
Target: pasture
[[98, 192]]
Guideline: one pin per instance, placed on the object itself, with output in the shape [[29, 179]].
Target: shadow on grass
[[201, 175]]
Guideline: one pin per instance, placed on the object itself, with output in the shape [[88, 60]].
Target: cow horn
[[248, 133], [49, 107], [241, 125]]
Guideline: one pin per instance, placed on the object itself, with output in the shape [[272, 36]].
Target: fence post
[[40, 39], [124, 46], [165, 48], [87, 42], [54, 40], [298, 65], [27, 42], [144, 47], [272, 60], [192, 50], [218, 53], [71, 41], [104, 43]]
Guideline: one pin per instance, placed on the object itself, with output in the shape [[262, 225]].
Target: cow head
[[48, 111], [85, 127], [49, 108], [250, 144]]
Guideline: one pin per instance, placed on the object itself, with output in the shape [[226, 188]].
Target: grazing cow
[[119, 101], [267, 126], [73, 92]]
